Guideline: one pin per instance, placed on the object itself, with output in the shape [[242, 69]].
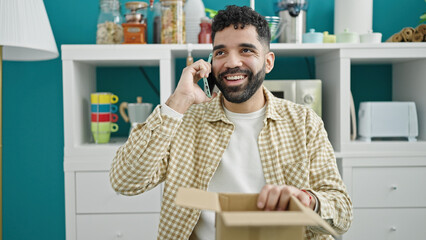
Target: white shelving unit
[[86, 163]]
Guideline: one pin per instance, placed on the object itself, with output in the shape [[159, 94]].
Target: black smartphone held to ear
[[209, 82]]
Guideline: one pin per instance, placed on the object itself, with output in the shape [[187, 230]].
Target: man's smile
[[234, 79]]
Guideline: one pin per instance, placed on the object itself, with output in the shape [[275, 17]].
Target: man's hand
[[274, 197], [187, 91]]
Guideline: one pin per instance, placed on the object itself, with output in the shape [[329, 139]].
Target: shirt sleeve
[[170, 112], [141, 163], [335, 206]]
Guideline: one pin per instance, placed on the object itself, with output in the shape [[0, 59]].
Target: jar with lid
[[172, 21], [109, 30]]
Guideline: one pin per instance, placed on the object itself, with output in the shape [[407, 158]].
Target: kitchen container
[[347, 37], [293, 16], [109, 29], [313, 37], [371, 37], [205, 35], [328, 38], [172, 21]]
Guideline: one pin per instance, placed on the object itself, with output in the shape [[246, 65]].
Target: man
[[243, 140]]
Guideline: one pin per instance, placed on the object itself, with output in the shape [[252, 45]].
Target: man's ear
[[269, 62]]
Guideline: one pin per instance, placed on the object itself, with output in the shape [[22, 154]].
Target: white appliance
[[387, 120], [305, 92]]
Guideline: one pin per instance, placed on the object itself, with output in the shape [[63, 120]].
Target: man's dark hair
[[239, 17]]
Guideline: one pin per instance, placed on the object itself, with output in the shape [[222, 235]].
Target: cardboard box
[[237, 216]]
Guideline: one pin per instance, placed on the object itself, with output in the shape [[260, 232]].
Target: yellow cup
[[103, 98]]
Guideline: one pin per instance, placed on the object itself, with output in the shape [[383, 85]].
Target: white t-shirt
[[240, 169]]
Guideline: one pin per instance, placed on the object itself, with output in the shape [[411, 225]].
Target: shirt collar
[[215, 111]]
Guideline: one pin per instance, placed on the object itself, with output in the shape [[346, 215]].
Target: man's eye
[[246, 50], [218, 53]]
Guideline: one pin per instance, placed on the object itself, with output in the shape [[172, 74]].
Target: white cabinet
[[91, 203], [390, 224], [117, 226], [95, 195], [388, 197]]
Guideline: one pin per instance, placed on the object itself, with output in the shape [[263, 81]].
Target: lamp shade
[[25, 31]]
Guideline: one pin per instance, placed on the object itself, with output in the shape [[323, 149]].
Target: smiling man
[[242, 140]]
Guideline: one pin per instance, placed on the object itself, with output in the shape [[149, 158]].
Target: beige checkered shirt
[[293, 146]]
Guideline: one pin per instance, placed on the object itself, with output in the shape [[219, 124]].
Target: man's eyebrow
[[218, 47], [248, 45]]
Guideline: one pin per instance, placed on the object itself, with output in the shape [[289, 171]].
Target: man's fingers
[[273, 198], [263, 196], [278, 197], [284, 199], [202, 68]]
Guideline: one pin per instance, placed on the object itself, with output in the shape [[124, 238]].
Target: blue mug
[[104, 108]]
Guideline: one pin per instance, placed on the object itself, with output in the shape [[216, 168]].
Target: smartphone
[[209, 81]]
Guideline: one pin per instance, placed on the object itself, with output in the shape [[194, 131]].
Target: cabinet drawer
[[117, 226], [389, 224], [94, 194], [389, 187]]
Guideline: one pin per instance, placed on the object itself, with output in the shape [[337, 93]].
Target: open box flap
[[246, 215], [267, 218], [296, 204], [296, 215], [196, 198]]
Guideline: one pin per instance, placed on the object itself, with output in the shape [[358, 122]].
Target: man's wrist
[[179, 103], [313, 200]]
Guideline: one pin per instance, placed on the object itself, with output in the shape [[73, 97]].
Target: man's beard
[[241, 93]]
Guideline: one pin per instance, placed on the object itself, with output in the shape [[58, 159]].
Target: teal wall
[[33, 179]]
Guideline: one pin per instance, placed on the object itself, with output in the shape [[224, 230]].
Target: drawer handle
[[394, 187], [393, 229], [119, 235]]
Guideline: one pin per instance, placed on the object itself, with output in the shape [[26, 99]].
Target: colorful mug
[[104, 117], [103, 108], [104, 127], [102, 131], [103, 98]]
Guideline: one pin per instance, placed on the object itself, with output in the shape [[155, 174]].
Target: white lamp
[[25, 35]]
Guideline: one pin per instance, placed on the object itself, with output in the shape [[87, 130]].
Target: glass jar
[[109, 29], [172, 21]]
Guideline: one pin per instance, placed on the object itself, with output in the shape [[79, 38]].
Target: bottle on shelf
[[194, 11], [205, 35], [109, 29], [157, 23]]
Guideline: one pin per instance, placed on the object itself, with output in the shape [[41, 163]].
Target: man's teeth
[[235, 77]]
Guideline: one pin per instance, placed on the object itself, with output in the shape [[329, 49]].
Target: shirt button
[[144, 143]]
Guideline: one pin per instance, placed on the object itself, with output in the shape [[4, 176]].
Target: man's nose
[[233, 61]]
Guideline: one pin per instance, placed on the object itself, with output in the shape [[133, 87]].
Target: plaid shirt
[[293, 146]]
